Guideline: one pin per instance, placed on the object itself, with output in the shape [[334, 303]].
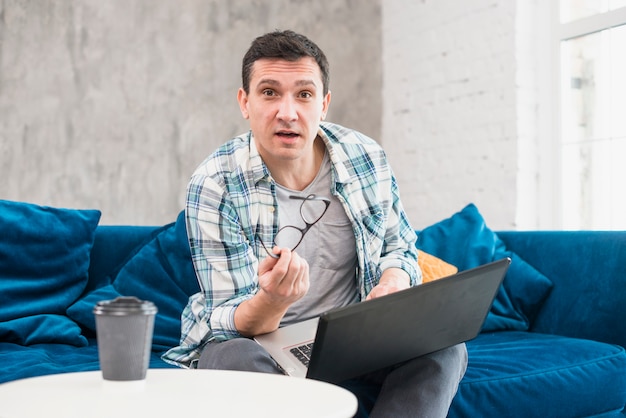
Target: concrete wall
[[112, 104]]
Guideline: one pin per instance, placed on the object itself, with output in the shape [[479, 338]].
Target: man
[[294, 218]]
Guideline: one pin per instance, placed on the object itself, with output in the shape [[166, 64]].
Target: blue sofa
[[552, 345]]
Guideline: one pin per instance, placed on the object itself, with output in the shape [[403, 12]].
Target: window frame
[[550, 191]]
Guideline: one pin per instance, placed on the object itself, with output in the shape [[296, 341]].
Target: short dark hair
[[287, 45]]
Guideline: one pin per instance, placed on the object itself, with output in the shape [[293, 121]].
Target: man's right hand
[[282, 282]]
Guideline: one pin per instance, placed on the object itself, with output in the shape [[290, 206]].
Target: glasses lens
[[288, 237], [312, 210]]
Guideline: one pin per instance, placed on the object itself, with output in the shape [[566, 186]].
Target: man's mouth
[[287, 134]]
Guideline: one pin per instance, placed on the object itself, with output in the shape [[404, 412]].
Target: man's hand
[[282, 282], [392, 280]]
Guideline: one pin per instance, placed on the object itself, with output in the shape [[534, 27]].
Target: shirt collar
[[336, 153], [257, 166]]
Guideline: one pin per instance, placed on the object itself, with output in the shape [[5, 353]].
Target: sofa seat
[[584, 378], [19, 362]]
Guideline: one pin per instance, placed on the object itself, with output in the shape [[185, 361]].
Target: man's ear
[[325, 105], [242, 99]]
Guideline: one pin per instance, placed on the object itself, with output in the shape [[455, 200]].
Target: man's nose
[[287, 110]]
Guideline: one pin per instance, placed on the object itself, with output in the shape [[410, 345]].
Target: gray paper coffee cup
[[124, 328]]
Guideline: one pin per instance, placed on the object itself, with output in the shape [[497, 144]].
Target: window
[[592, 146]]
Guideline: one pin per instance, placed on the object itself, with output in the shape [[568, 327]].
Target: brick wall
[[455, 88]]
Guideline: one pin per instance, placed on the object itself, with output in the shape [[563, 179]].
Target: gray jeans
[[422, 387]]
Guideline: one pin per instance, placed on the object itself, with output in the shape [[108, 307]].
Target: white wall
[[113, 104], [459, 107]]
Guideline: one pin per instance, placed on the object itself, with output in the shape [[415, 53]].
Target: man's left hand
[[392, 280]]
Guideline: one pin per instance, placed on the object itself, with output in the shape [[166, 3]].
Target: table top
[[173, 393]]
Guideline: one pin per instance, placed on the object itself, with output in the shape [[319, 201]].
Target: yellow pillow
[[433, 268]]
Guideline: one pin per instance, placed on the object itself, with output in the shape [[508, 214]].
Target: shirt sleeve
[[399, 249], [222, 257]]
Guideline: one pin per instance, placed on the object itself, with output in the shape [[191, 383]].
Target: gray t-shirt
[[329, 247]]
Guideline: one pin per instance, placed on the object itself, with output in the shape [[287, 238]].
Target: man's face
[[284, 106]]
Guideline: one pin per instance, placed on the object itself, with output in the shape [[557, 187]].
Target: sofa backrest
[[588, 269], [113, 246]]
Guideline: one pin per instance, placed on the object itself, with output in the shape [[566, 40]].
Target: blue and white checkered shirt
[[231, 202]]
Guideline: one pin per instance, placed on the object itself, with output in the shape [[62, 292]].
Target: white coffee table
[[174, 393]]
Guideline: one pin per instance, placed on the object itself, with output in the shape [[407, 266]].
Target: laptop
[[363, 337]]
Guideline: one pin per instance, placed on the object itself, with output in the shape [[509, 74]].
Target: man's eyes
[[301, 95]]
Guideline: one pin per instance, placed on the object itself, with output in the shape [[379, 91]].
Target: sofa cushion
[[42, 329], [433, 268], [582, 377], [161, 272], [465, 241], [113, 246], [44, 258]]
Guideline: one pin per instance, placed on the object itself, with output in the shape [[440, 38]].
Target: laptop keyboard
[[303, 353]]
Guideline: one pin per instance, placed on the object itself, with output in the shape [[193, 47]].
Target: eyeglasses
[[311, 211]]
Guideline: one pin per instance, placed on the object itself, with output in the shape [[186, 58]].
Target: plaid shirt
[[231, 202]]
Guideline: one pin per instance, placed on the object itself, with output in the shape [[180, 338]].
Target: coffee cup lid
[[125, 305]]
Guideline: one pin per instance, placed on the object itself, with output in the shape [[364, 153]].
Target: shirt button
[[271, 209]]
